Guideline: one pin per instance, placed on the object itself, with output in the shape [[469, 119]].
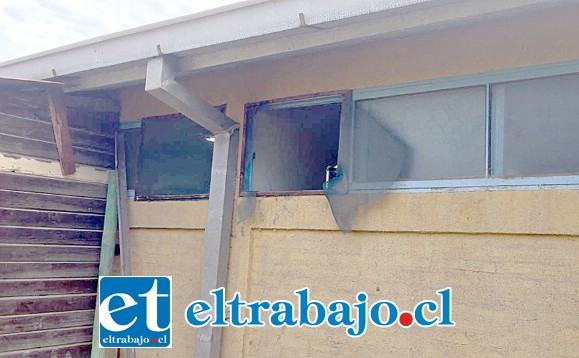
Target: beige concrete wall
[[167, 240], [510, 256]]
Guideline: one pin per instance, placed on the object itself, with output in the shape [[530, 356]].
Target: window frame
[[307, 100], [456, 82], [126, 126]]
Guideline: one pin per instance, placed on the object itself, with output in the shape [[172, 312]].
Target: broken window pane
[[536, 127], [288, 149], [442, 132]]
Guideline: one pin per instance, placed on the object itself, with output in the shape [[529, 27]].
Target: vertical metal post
[[488, 130], [498, 129], [218, 234], [161, 83]]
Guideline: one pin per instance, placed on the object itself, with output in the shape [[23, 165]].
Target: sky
[[31, 26]]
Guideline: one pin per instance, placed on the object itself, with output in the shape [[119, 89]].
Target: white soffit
[[247, 31]]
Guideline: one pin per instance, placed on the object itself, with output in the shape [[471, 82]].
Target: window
[[443, 133], [289, 144], [168, 157], [536, 127], [515, 128]]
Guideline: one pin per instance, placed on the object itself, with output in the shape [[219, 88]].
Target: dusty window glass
[[442, 132], [175, 159], [288, 149], [536, 127]]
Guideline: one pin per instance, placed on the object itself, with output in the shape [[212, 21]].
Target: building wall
[[167, 239], [510, 256]]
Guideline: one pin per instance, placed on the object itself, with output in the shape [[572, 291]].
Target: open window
[[168, 158], [289, 144], [507, 129], [377, 142], [515, 128]]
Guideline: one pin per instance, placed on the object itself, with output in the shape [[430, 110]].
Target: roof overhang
[[250, 31], [27, 84]]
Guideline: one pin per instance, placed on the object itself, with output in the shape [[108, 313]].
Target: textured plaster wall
[[510, 256], [168, 239], [503, 304]]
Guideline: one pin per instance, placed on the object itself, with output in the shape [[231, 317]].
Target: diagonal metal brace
[[161, 84]]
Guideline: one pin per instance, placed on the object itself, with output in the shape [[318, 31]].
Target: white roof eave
[[246, 32]]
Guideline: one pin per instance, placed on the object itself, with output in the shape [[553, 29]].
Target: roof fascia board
[[415, 19], [257, 19], [21, 83], [136, 30], [244, 22], [93, 73]]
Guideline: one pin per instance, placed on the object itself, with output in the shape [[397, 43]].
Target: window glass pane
[[541, 127], [443, 133], [288, 149], [175, 158]]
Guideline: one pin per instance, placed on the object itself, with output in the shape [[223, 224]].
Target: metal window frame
[[309, 100], [480, 79], [125, 126], [472, 184], [493, 153]]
